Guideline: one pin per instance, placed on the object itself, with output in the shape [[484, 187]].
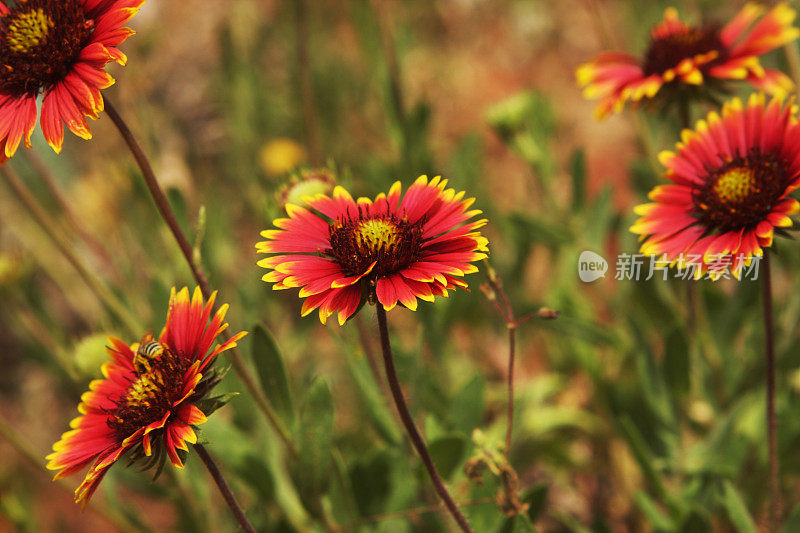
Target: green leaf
[[737, 509], [272, 374], [793, 522], [448, 453], [536, 498], [371, 482], [518, 524], [467, 406], [257, 474], [374, 402], [315, 435], [209, 405], [578, 165], [677, 361], [657, 518]]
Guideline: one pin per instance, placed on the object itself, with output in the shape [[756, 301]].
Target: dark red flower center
[[667, 51], [156, 385], [741, 193], [40, 41], [391, 242]]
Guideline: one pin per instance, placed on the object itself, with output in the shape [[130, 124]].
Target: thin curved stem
[[51, 228], [224, 489], [772, 422], [157, 194], [50, 181], [411, 428], [169, 218], [512, 329]]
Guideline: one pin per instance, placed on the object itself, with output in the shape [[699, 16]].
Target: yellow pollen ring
[[375, 233], [735, 186], [28, 30], [142, 392]]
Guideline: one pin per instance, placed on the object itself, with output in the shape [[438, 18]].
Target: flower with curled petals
[[151, 397], [731, 179], [684, 59], [57, 49], [342, 252]]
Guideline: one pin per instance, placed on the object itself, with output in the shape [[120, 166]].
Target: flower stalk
[[772, 422], [169, 218], [224, 489], [411, 428]]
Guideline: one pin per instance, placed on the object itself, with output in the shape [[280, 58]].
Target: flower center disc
[[374, 234], [40, 41], [668, 51], [740, 193], [390, 242], [150, 395], [735, 185], [28, 30]]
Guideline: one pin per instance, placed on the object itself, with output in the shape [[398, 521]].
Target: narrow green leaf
[[578, 178], [374, 402], [657, 518], [315, 434], [272, 374], [209, 405], [737, 509]]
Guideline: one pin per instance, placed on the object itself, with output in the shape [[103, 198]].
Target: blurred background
[[621, 425]]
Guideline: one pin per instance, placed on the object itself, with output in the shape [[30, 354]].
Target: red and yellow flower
[[731, 179], [342, 252], [146, 404], [681, 56], [59, 49]]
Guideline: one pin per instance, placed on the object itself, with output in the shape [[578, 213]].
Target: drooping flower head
[[59, 49], [683, 58], [731, 178], [342, 252], [151, 396]]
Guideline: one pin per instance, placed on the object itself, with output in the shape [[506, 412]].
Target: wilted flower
[[59, 49], [342, 252], [731, 178], [682, 57], [151, 397]]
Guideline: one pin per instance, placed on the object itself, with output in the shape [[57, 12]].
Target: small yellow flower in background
[[148, 402], [281, 155], [683, 56]]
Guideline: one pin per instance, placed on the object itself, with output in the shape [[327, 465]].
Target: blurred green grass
[[623, 424]]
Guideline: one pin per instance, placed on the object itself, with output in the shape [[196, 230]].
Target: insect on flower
[[151, 398], [148, 351]]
